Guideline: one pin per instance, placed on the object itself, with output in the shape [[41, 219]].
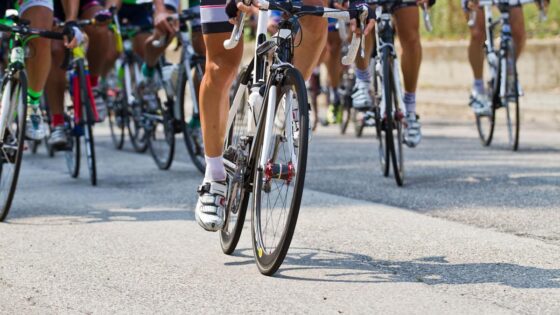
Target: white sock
[[215, 170]]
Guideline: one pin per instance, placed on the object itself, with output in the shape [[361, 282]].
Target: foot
[[35, 127], [413, 132], [58, 138], [361, 96], [480, 104], [210, 208]]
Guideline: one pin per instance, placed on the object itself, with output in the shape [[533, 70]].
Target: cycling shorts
[[275, 17], [512, 3], [140, 15], [84, 6], [400, 4], [213, 17], [23, 5]]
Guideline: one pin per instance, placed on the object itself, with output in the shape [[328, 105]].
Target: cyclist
[[40, 15], [221, 68], [408, 25], [97, 54], [479, 100]]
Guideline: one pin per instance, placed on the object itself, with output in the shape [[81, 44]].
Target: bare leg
[[38, 68], [518, 29], [476, 45], [314, 30], [98, 51], [221, 68], [56, 84], [408, 27]]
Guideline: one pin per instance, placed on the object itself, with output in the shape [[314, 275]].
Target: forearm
[[71, 8], [159, 6]]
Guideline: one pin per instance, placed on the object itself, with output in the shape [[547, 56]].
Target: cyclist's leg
[[99, 37], [308, 52], [153, 53], [221, 68], [408, 29], [40, 13], [476, 50], [518, 29], [334, 69], [361, 96]]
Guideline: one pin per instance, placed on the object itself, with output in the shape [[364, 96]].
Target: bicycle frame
[[493, 56], [385, 43], [16, 63]]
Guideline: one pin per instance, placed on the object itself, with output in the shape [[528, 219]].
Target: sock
[[215, 170], [57, 120], [478, 86], [362, 75], [147, 71], [34, 98], [410, 102]]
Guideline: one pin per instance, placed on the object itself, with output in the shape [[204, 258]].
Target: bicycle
[[126, 109], [265, 151], [503, 84], [175, 114], [81, 113], [388, 108], [14, 104], [189, 114]]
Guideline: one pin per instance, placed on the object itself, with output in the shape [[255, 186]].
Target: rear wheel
[[237, 148], [116, 122], [511, 101], [278, 188], [161, 134], [88, 121], [192, 132], [393, 122], [14, 92]]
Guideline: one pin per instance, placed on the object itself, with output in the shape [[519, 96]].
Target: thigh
[[408, 22]]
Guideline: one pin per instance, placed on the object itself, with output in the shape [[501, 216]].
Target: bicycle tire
[[393, 121], [192, 133], [513, 131], [10, 183], [270, 259], [164, 157], [238, 194], [87, 122], [114, 114], [135, 110]]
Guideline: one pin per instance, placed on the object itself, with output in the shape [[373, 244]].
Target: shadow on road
[[308, 264]]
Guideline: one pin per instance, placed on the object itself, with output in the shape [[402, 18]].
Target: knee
[[478, 36], [219, 72], [314, 25], [410, 40]]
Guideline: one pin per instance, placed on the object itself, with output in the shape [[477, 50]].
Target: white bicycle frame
[[262, 23], [17, 55]]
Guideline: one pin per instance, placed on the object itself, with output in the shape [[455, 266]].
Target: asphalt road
[[474, 230]]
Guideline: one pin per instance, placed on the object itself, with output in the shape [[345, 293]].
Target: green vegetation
[[450, 22]]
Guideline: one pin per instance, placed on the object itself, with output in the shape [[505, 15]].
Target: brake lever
[[427, 19]]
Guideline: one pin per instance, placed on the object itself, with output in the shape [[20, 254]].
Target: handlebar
[[298, 11], [183, 17]]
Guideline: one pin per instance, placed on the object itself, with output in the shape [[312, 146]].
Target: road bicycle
[[177, 110], [80, 113], [502, 84], [265, 151], [13, 104], [125, 108], [191, 70], [388, 109]]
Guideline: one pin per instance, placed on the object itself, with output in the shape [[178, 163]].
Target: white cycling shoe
[[361, 96], [211, 206], [413, 131], [480, 104]]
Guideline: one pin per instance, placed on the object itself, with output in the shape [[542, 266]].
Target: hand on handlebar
[[104, 17], [73, 36], [234, 7], [164, 24], [362, 17]]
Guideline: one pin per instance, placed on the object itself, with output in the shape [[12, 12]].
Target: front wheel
[[161, 136], [14, 92], [278, 185]]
